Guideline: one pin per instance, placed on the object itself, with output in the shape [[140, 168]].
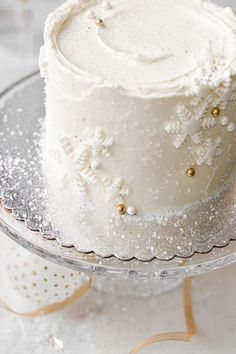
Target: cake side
[[150, 146]]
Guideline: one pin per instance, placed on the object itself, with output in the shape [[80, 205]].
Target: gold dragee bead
[[215, 112], [190, 172], [121, 208], [99, 22]]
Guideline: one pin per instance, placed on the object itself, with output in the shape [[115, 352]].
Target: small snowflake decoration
[[189, 125], [82, 162], [219, 97], [206, 76], [115, 190], [77, 165], [99, 144], [79, 158], [190, 121], [209, 151]]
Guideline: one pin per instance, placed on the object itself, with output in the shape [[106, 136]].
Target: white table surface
[[102, 324]]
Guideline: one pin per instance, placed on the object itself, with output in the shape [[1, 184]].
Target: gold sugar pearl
[[99, 22], [121, 208], [190, 172], [215, 112]]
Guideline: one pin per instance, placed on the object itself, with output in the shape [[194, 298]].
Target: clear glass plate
[[113, 267]]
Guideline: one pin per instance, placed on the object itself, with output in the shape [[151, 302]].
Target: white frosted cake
[[140, 101]]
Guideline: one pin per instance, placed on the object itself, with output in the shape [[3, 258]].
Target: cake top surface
[[146, 45]]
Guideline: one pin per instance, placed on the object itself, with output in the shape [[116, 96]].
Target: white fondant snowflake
[[66, 145], [209, 91], [82, 164], [209, 151], [82, 158], [77, 165], [207, 76], [99, 144], [189, 125], [84, 178], [115, 190]]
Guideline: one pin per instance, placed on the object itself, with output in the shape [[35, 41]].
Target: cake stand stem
[[134, 287]]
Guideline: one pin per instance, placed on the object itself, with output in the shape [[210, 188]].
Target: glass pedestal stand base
[[134, 287]]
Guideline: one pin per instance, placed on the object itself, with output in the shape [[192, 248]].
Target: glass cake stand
[[131, 277]]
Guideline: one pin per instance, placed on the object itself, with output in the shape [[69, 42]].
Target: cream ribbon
[[174, 336], [169, 336]]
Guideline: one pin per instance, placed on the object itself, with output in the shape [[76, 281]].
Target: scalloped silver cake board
[[23, 190]]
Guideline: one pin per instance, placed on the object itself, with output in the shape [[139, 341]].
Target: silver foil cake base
[[23, 190]]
